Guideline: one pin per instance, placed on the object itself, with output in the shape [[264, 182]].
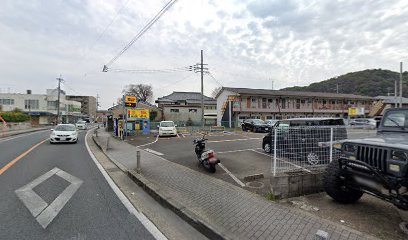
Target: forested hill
[[374, 82]]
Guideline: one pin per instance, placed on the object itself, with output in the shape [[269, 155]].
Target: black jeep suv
[[377, 165]]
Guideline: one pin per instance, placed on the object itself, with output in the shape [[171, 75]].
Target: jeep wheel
[[267, 148], [335, 187]]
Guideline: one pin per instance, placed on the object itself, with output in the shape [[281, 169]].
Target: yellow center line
[[10, 164]]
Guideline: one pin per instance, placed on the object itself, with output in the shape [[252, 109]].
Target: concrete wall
[[296, 184], [183, 115]]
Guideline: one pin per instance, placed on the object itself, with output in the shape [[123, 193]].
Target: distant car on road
[[64, 133], [255, 125], [363, 123], [81, 125], [167, 128]]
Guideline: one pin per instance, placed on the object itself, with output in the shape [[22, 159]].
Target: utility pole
[[395, 93], [58, 101], [272, 84], [202, 89], [337, 88], [400, 85]]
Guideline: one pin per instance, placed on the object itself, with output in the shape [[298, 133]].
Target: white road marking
[[233, 140], [239, 150], [232, 175], [140, 216], [295, 165], [21, 135], [157, 138], [37, 206], [154, 152]]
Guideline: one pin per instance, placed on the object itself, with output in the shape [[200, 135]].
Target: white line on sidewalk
[[232, 175], [142, 218], [154, 152]]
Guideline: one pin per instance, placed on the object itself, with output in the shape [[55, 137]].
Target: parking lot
[[241, 156]]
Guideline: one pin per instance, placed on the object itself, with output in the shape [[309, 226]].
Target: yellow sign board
[[138, 113], [130, 101], [355, 111]]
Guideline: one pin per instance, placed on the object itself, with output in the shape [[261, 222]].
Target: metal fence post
[[274, 151], [107, 143], [138, 161], [331, 144]]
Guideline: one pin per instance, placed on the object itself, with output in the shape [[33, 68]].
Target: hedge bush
[[14, 116]]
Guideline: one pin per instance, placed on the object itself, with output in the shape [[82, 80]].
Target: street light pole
[[58, 101], [400, 86]]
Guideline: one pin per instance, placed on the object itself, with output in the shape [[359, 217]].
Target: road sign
[[138, 113], [130, 101]]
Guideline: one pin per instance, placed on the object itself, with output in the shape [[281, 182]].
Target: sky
[[253, 44]]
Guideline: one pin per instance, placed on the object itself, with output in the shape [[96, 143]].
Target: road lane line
[[232, 175], [10, 164], [129, 206], [21, 135]]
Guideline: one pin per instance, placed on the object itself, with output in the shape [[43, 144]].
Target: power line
[[215, 80], [172, 84], [168, 70], [144, 29]]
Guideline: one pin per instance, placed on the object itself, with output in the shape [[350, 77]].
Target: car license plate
[[62, 139], [266, 129]]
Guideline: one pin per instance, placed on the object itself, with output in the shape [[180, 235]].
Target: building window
[[302, 101], [263, 102], [6, 101], [175, 110], [51, 105], [283, 103], [192, 110], [31, 104], [253, 102], [297, 103], [270, 103]]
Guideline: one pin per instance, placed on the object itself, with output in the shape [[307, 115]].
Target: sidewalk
[[4, 134], [218, 209]]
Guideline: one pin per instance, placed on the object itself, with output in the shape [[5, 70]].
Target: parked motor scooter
[[206, 157]]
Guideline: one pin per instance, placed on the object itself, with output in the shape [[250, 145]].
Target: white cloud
[[246, 43]]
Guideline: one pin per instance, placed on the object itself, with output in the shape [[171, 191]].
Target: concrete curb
[[168, 202], [10, 134]]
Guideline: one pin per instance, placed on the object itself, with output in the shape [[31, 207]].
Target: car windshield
[[396, 119], [64, 128], [166, 124], [81, 122], [258, 121]]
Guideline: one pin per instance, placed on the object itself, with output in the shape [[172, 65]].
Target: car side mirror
[[175, 125], [158, 126], [52, 129]]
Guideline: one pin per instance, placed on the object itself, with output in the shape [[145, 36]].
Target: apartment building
[[243, 103], [88, 105], [42, 107]]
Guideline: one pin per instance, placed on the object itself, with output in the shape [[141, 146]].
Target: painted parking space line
[[154, 152], [232, 175], [233, 140], [18, 158], [239, 150], [157, 139], [44, 213], [295, 165]]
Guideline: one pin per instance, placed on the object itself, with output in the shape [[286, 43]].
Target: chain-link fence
[[306, 149]]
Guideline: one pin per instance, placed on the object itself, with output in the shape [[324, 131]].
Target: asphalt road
[[86, 206]]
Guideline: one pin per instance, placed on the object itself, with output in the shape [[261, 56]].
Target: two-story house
[[185, 107], [244, 103]]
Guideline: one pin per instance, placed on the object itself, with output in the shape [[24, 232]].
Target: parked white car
[[81, 125], [64, 133], [167, 128]]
